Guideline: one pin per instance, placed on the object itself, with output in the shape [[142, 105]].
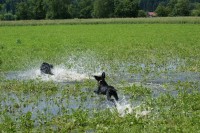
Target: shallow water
[[61, 74], [44, 107], [168, 77], [57, 105]]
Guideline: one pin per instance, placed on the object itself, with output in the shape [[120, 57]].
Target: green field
[[22, 46], [155, 67]]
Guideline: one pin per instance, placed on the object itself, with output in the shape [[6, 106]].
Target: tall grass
[[156, 20]]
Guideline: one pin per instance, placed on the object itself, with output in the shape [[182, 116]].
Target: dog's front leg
[[97, 91]]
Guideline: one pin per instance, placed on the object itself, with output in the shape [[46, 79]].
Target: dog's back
[[104, 88]]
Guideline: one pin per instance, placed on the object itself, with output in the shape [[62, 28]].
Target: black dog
[[46, 68], [105, 89]]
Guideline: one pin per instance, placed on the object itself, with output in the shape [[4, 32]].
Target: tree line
[[66, 9]]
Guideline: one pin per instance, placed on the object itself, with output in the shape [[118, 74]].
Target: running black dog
[[46, 68], [105, 89]]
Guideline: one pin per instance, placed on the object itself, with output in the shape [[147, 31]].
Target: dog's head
[[50, 65], [47, 65], [101, 79]]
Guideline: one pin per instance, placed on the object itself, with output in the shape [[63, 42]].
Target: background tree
[[58, 9], [1, 5], [142, 13], [126, 8], [171, 6], [196, 10], [73, 9], [85, 8], [151, 5], [182, 8], [103, 8], [64, 9], [161, 11], [23, 11], [38, 9]]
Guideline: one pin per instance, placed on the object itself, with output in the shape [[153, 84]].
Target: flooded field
[[66, 100], [72, 90], [155, 69]]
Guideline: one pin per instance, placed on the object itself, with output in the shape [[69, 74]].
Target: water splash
[[124, 108], [61, 74], [143, 113]]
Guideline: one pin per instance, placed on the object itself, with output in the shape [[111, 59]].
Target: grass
[[161, 45], [127, 52], [156, 20]]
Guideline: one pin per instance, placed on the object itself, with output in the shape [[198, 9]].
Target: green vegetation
[[155, 68], [27, 46], [68, 9], [157, 20]]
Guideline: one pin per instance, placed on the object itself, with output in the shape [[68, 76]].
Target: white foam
[[123, 108], [142, 113], [61, 74]]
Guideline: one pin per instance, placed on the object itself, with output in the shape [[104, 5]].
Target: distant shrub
[[162, 11], [195, 13], [1, 16], [9, 16], [142, 13]]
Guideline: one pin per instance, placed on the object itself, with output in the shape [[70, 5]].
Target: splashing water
[[123, 108], [61, 74], [143, 113]]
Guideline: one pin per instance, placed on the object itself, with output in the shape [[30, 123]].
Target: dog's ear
[[97, 78], [51, 66], [103, 75]]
